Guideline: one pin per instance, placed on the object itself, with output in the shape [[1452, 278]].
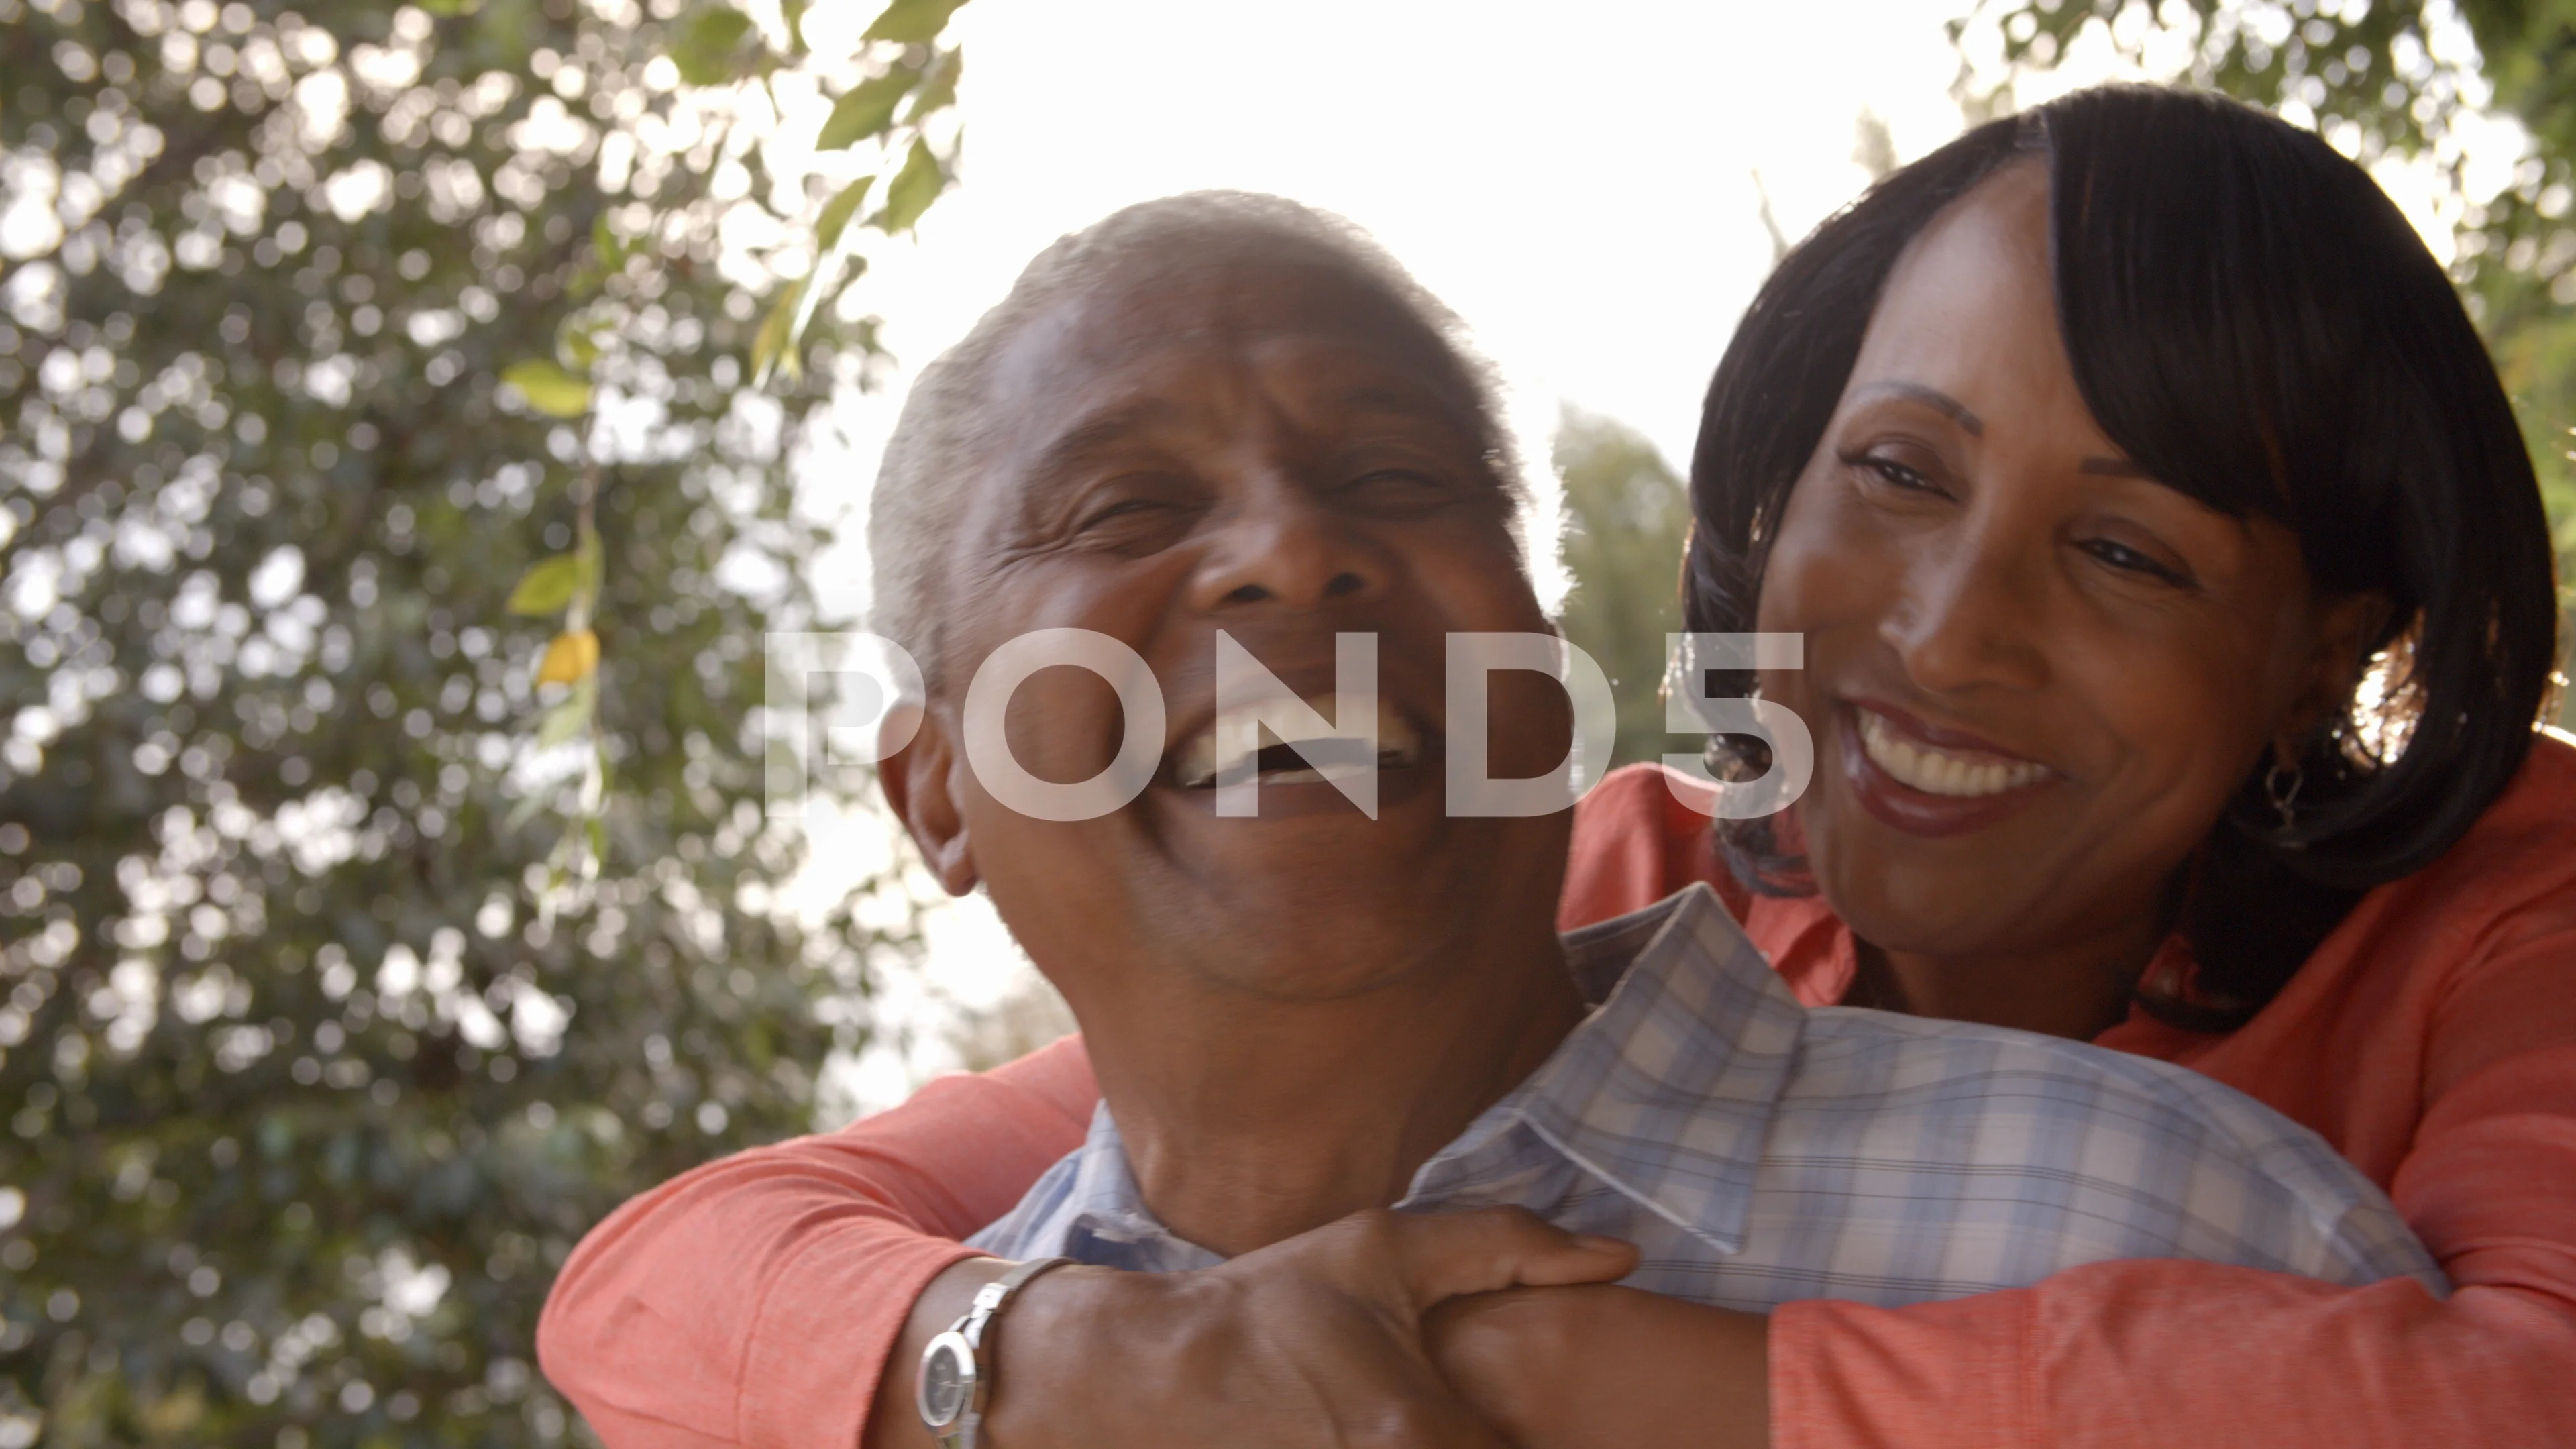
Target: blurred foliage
[[1627, 516], [2406, 78], [1030, 1016], [313, 1068]]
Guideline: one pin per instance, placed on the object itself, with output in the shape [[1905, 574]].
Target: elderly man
[[1224, 415]]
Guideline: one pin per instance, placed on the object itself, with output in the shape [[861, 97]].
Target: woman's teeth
[[1937, 773], [1278, 761]]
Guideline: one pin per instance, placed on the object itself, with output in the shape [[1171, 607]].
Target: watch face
[[947, 1377]]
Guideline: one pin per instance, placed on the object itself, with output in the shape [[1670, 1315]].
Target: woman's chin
[[1899, 896]]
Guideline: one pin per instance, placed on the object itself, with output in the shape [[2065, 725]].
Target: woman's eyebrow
[[2115, 468], [1931, 397]]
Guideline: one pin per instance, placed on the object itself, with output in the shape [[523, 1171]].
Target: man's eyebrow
[[1395, 397], [1097, 433], [1417, 402], [1933, 398]]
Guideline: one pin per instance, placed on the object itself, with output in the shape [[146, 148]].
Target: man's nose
[[1286, 547], [1970, 613]]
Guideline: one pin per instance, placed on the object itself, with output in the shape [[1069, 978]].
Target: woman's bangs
[[2203, 326]]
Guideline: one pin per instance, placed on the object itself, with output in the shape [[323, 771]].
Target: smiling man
[[1225, 414]]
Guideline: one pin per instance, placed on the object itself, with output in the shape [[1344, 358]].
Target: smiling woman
[[2109, 488]]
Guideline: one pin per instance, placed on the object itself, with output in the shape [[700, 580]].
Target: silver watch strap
[[990, 1298], [966, 1431]]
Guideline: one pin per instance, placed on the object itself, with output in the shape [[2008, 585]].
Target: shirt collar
[[1105, 1216], [1666, 1092]]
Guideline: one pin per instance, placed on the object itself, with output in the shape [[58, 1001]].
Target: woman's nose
[[1969, 617], [1288, 548]]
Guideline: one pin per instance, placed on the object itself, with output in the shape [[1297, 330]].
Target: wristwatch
[[956, 1373]]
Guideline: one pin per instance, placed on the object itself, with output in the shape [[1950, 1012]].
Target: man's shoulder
[[2040, 1087], [1902, 1052]]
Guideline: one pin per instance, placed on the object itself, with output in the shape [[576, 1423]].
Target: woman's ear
[[2347, 626], [920, 786]]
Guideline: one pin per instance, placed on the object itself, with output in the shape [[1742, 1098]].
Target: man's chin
[[1302, 953]]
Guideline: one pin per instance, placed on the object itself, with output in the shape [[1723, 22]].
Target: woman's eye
[[1893, 473], [2121, 556]]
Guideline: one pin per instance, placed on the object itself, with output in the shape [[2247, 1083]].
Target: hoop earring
[[2281, 788]]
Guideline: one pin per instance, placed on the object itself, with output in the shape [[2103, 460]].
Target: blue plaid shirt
[[1757, 1150]]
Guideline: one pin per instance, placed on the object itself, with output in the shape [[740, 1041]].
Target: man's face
[[1271, 450]]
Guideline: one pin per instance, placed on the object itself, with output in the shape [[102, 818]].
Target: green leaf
[[571, 717], [867, 109], [529, 804], [549, 585], [775, 341], [912, 22], [548, 388], [837, 213], [579, 345], [814, 294], [941, 90], [612, 251], [704, 49], [913, 189]]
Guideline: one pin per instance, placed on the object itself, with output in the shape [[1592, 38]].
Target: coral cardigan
[[2432, 1039]]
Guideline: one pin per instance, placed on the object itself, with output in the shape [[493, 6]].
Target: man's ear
[[2347, 627], [921, 786]]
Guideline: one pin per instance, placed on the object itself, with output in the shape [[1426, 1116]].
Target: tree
[[1627, 517], [326, 337], [2404, 78]]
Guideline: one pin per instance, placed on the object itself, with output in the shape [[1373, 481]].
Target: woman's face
[[2034, 674]]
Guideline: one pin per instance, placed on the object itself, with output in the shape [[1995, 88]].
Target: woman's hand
[[1558, 1368], [1308, 1343]]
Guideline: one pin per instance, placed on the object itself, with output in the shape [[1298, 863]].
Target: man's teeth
[[1935, 772], [1280, 761]]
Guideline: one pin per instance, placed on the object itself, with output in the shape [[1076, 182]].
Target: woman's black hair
[[2255, 323]]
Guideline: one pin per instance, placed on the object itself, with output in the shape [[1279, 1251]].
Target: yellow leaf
[[570, 658]]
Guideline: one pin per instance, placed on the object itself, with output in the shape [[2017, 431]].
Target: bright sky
[[1577, 181]]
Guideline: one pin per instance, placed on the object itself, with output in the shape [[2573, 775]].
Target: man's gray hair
[[925, 482]]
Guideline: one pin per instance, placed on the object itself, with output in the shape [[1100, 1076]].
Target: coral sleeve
[[754, 1300], [2165, 1352]]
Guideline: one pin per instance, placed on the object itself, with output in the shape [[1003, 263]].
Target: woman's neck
[[1248, 1121], [2078, 988]]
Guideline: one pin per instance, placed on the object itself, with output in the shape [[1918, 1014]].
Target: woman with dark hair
[[2177, 611]]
